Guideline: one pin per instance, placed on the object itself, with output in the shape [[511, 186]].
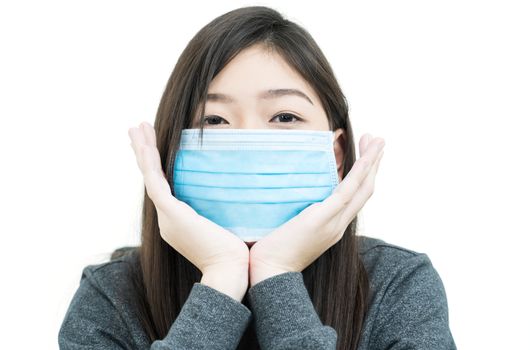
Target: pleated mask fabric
[[251, 181]]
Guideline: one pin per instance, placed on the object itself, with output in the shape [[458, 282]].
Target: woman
[[311, 283]]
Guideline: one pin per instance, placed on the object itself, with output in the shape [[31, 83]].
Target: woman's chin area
[[250, 244]]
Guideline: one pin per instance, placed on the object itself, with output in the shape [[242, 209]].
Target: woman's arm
[[209, 319], [285, 317], [412, 314]]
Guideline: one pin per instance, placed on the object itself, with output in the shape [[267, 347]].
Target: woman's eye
[[282, 117], [287, 117], [215, 120]]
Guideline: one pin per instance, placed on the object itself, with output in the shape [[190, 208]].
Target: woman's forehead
[[256, 72]]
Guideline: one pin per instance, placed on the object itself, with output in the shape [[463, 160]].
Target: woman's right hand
[[221, 256]]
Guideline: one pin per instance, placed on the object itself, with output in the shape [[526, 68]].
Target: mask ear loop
[[332, 163]]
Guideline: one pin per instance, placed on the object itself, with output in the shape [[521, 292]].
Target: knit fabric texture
[[408, 310]]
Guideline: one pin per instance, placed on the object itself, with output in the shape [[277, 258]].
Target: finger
[[152, 156], [159, 191], [360, 169], [141, 137], [363, 143], [335, 203], [364, 147], [361, 196], [148, 159], [149, 133], [378, 161], [137, 135], [367, 187], [137, 140]]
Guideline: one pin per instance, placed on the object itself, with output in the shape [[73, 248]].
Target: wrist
[[232, 282], [260, 274]]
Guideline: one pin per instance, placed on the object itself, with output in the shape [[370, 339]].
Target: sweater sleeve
[[285, 317], [413, 313], [208, 319]]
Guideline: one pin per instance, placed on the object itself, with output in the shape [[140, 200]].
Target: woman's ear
[[339, 142]]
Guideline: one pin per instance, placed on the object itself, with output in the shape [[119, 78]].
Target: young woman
[[310, 283]]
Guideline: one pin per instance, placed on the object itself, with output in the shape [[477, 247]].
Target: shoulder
[[396, 270], [378, 254], [380, 258], [372, 246], [107, 288], [120, 259], [103, 310], [408, 302], [401, 275], [113, 278]]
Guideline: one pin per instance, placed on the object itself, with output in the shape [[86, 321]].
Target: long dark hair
[[337, 281]]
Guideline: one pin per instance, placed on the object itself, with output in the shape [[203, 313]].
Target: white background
[[445, 83]]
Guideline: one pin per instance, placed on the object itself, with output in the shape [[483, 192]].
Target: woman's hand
[[302, 239], [211, 248]]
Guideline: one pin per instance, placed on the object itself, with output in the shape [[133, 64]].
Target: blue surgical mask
[[250, 181]]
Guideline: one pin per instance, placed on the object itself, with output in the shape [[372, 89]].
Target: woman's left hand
[[301, 240]]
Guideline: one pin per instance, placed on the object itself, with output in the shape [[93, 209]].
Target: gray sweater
[[408, 310]]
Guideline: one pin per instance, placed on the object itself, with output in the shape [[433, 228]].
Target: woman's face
[[259, 90]]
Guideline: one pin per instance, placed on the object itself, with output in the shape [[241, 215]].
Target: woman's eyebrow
[[272, 93]]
